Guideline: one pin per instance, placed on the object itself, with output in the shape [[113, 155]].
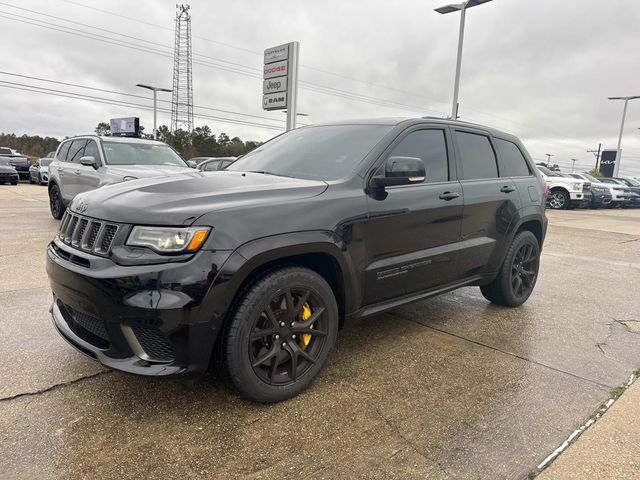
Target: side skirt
[[415, 297]]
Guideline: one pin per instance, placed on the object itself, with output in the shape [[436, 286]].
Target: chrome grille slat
[[87, 234]]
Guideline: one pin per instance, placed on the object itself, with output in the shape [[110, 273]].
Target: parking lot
[[451, 387]]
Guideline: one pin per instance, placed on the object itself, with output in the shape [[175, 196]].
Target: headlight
[[577, 186], [599, 189], [169, 240]]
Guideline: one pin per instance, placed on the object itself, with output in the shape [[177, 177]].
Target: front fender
[[251, 257]]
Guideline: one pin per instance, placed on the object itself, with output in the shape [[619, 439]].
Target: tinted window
[[226, 163], [76, 150], [477, 156], [64, 149], [512, 162], [429, 146], [208, 167], [325, 152], [91, 150], [44, 163]]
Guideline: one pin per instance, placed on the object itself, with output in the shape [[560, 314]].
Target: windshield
[[549, 173], [45, 162], [141, 154], [591, 178], [315, 153], [631, 182]]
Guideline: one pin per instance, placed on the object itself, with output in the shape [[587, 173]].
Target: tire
[[271, 322], [56, 204], [559, 200], [505, 290], [40, 179], [15, 182]]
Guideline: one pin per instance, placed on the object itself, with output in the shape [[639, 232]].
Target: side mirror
[[192, 164], [89, 161], [401, 171]]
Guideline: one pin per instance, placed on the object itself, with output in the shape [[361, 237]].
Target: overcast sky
[[541, 69]]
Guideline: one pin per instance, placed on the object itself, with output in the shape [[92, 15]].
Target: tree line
[[30, 145], [201, 142]]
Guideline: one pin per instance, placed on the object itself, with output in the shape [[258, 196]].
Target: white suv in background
[[89, 162], [565, 192]]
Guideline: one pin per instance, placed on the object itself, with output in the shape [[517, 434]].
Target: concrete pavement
[[451, 387], [609, 449]]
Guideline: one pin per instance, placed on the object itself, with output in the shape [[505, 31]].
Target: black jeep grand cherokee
[[261, 263]]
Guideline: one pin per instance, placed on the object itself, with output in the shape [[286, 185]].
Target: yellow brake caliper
[[305, 314]]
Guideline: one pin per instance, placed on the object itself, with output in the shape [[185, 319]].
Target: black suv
[[256, 267]]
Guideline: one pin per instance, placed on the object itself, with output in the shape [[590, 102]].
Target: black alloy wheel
[[55, 203], [288, 336], [519, 272], [281, 334], [524, 270]]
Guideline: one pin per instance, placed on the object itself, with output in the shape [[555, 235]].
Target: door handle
[[507, 189], [77, 172], [448, 196]]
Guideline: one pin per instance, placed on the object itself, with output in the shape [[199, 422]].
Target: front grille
[[92, 329], [154, 343], [87, 234]]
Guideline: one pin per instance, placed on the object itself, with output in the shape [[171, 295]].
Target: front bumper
[[147, 320], [600, 199], [9, 177]]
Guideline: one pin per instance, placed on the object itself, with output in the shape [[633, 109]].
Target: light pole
[[461, 7], [616, 167], [549, 155], [574, 164], [155, 91]]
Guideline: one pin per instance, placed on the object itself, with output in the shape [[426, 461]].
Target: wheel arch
[[320, 252]]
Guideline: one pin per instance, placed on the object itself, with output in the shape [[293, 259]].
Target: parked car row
[[15, 166], [581, 190]]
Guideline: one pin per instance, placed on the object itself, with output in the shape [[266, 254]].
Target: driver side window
[[429, 146]]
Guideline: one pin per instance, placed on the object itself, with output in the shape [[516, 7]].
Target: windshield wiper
[[265, 172]]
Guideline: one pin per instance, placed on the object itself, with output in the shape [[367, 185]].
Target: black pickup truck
[[19, 162]]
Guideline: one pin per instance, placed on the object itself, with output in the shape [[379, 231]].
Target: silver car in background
[[88, 162], [39, 171]]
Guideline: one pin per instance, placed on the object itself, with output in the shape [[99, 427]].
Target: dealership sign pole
[[280, 80]]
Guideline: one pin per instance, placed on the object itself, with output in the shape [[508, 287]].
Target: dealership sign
[[280, 80], [608, 162]]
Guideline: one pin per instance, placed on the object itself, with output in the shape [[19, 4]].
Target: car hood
[[7, 169], [146, 171], [181, 199]]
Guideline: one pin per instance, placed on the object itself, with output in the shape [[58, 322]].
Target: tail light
[[546, 189]]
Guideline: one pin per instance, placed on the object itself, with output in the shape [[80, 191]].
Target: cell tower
[[182, 99]]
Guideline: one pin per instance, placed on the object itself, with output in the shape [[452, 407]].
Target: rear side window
[[477, 156], [62, 153], [430, 146], [512, 162], [76, 151]]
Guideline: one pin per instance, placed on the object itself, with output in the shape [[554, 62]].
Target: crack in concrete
[[521, 357], [624, 324], [52, 387]]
